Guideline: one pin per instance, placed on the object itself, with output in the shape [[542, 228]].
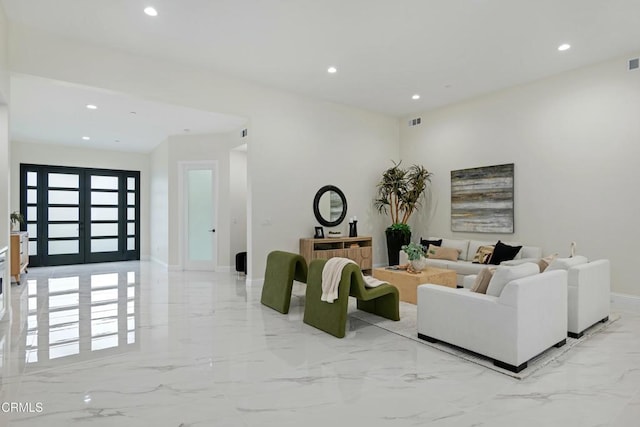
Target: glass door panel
[[104, 217], [200, 248], [62, 216]]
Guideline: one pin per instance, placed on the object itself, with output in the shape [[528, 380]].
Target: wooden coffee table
[[407, 283]]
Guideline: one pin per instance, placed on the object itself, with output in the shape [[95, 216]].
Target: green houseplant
[[401, 192], [16, 219], [413, 250], [416, 255]]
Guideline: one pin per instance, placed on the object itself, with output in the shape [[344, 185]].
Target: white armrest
[[519, 261], [589, 294]]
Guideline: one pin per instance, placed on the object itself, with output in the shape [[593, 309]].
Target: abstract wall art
[[482, 199]]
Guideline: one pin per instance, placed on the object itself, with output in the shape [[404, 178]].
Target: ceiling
[[49, 111], [385, 50]]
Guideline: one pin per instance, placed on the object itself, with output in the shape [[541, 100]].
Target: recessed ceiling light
[[564, 46], [332, 70], [150, 11], [92, 107], [416, 96], [132, 112], [86, 138]]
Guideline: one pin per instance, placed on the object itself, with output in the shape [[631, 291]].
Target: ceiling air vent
[[415, 122], [634, 64]]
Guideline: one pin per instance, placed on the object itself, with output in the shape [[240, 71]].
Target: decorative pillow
[[503, 252], [426, 243], [461, 245], [566, 263], [546, 261], [435, 252], [504, 275], [482, 280], [483, 254]]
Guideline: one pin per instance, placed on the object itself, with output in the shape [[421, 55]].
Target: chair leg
[[508, 367], [561, 343], [427, 338]]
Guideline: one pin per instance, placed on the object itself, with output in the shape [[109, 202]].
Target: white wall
[[159, 215], [4, 205], [58, 155], [4, 151], [298, 144], [4, 57], [575, 142], [238, 203]]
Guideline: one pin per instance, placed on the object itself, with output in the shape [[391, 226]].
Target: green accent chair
[[383, 300], [282, 269]]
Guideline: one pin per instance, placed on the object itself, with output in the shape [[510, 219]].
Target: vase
[[419, 264], [395, 240]]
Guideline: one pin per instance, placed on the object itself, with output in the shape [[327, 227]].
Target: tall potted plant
[[401, 193]]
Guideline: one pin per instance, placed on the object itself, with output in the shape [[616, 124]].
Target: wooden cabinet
[[19, 254], [359, 249]]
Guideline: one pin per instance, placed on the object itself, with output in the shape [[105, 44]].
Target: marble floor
[[131, 344]]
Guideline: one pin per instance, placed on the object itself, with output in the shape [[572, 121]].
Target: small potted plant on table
[[416, 256]]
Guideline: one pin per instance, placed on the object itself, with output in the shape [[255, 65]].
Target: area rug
[[407, 327]]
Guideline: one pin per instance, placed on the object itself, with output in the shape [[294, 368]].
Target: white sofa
[[528, 317], [468, 248], [589, 292]]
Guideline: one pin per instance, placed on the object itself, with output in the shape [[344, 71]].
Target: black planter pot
[[395, 240]]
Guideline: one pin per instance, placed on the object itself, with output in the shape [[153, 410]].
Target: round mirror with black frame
[[330, 206]]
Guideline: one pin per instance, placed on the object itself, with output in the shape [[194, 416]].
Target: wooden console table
[[19, 254], [359, 249]]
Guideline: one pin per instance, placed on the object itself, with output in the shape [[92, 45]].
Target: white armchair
[[528, 317]]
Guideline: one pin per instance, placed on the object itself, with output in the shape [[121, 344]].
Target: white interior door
[[200, 216]]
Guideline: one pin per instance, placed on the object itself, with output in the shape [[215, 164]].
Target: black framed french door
[[80, 215]]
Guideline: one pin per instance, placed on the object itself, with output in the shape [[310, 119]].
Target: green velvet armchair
[[332, 317]]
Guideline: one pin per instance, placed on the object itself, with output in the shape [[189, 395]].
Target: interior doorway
[[199, 219]]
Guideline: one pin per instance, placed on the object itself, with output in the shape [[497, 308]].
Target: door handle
[[213, 230]]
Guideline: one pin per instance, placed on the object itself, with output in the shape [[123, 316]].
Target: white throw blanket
[[372, 282], [331, 274]]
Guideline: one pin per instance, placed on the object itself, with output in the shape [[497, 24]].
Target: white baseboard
[[157, 261], [145, 258], [223, 269], [174, 267], [255, 282], [626, 300]]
